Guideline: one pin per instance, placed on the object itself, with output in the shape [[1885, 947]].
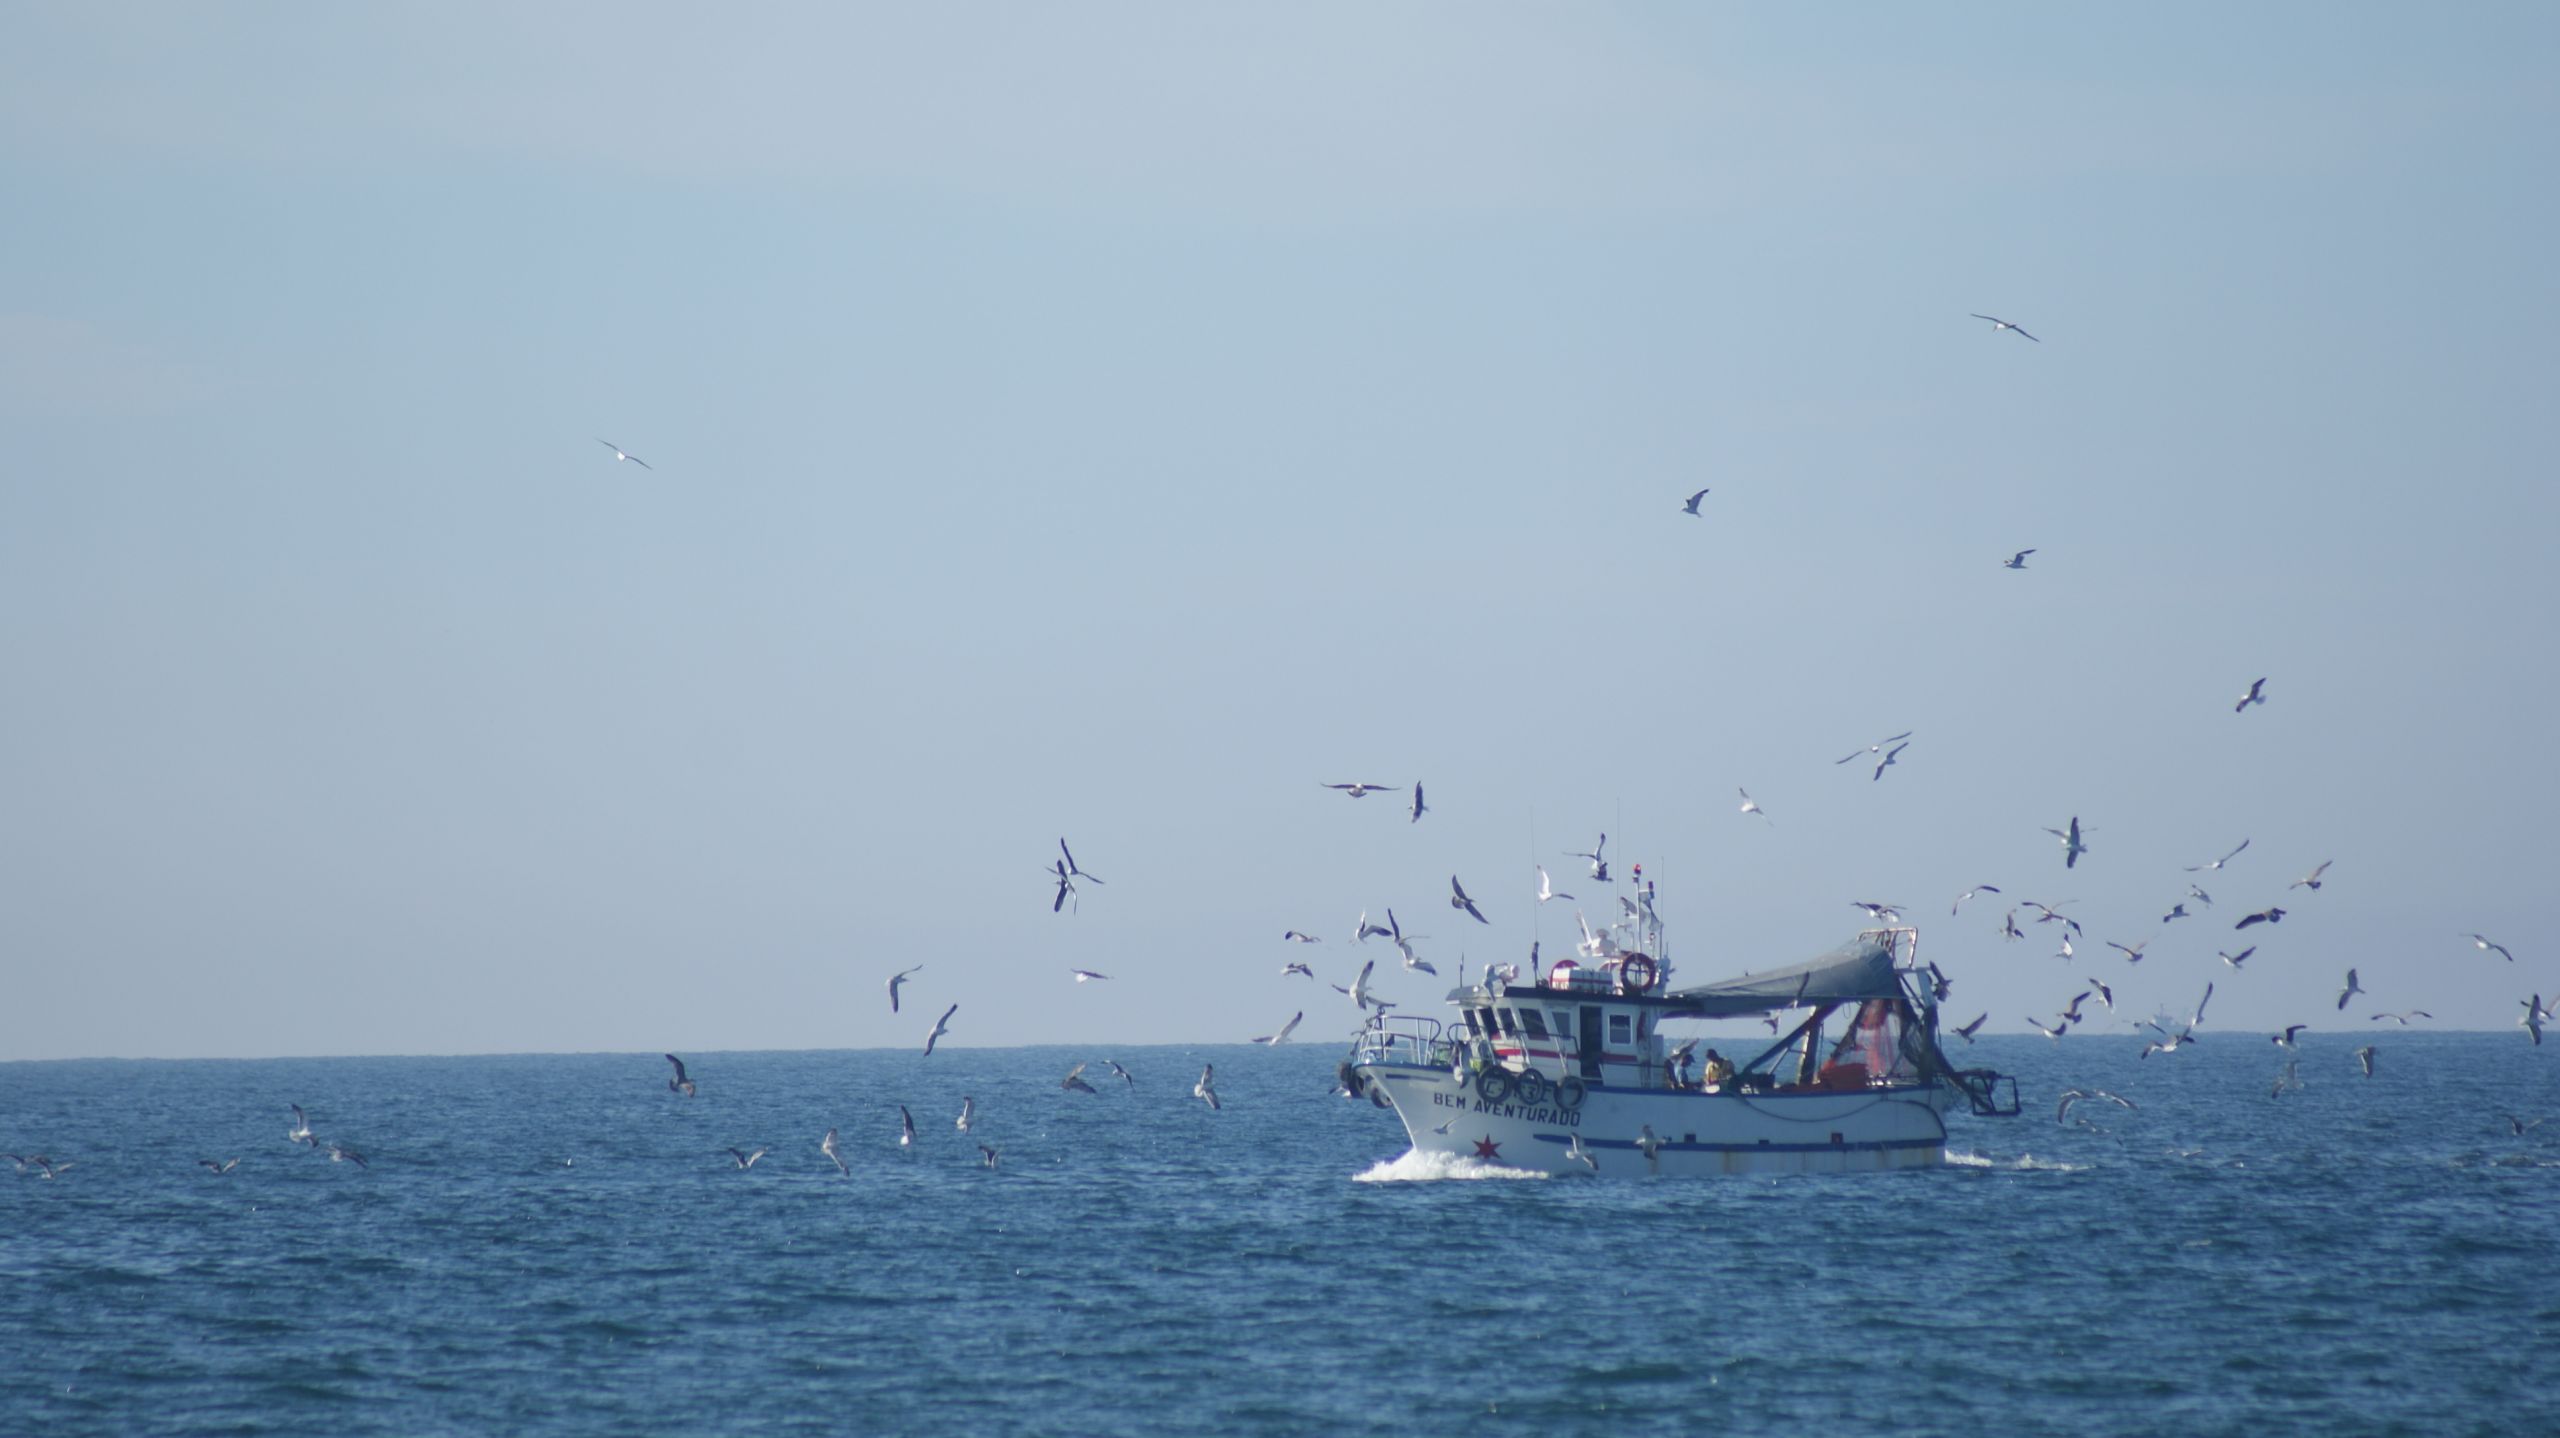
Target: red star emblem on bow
[[1487, 1148]]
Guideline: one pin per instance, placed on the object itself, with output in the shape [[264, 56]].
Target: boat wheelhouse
[[1572, 1068]]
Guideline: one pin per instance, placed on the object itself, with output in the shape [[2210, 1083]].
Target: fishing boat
[[1570, 1070]]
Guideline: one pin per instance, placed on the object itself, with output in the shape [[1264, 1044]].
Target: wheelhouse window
[[1534, 1022], [1562, 1021], [1622, 1028], [1510, 1025]]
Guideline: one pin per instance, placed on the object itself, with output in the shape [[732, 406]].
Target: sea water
[[558, 1244]]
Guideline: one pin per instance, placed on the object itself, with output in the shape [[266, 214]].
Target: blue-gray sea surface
[[557, 1244]]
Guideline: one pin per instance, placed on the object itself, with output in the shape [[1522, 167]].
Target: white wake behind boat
[[1571, 1072]]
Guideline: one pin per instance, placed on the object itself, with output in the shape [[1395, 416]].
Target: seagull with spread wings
[[1998, 324]]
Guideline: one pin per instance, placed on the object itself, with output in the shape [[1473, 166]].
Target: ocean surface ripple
[[556, 1244]]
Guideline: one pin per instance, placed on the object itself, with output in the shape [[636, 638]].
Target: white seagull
[[1574, 1150], [619, 455], [968, 1113], [2218, 863], [1203, 1090], [1086, 976], [1875, 748], [2350, 991], [1074, 1081], [301, 1131], [1752, 806], [896, 979], [1277, 1039], [744, 1159], [941, 1026], [1887, 761], [2072, 845], [827, 1146], [2312, 880], [1998, 324], [1073, 872], [1599, 865], [1363, 791], [1547, 887], [677, 1084], [2488, 946], [1969, 893], [1295, 937], [906, 1128]]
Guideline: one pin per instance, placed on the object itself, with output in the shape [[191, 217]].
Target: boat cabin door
[[1587, 1035]]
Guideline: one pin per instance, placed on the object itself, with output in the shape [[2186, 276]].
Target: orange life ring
[[1637, 972]]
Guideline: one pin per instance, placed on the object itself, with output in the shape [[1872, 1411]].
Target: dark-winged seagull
[[1458, 900], [2257, 695], [1998, 324], [619, 454], [679, 1083]]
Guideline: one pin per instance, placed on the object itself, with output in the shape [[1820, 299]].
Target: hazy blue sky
[[1112, 421]]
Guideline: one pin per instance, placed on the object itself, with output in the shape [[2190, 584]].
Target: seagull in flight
[[1066, 886], [906, 1128], [1967, 1031], [1599, 865], [2312, 879], [827, 1146], [1458, 900], [2288, 1081], [1881, 913], [1547, 887], [1691, 506], [2178, 911], [896, 979], [986, 1156], [2105, 995], [1088, 975], [1297, 937], [2350, 991], [1301, 970], [1875, 748], [1998, 324], [1073, 872], [1887, 761], [1574, 1150], [2236, 960], [1361, 934], [677, 1084], [1120, 1074], [2364, 1058], [1275, 1040], [1419, 808], [744, 1159], [2263, 916], [2053, 1032], [1363, 791], [2531, 1023], [2052, 913], [2402, 1019], [941, 1026], [224, 1167], [301, 1131], [2257, 695], [2291, 1032], [342, 1155], [2488, 946], [1969, 893], [968, 1113], [2017, 560], [1204, 1090], [2071, 1096], [2218, 863], [2133, 954], [1074, 1081], [1752, 806], [2072, 845], [619, 455]]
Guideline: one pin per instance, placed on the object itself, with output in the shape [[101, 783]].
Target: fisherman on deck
[[1719, 1071]]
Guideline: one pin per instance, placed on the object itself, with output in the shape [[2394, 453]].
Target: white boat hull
[[1862, 1130]]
